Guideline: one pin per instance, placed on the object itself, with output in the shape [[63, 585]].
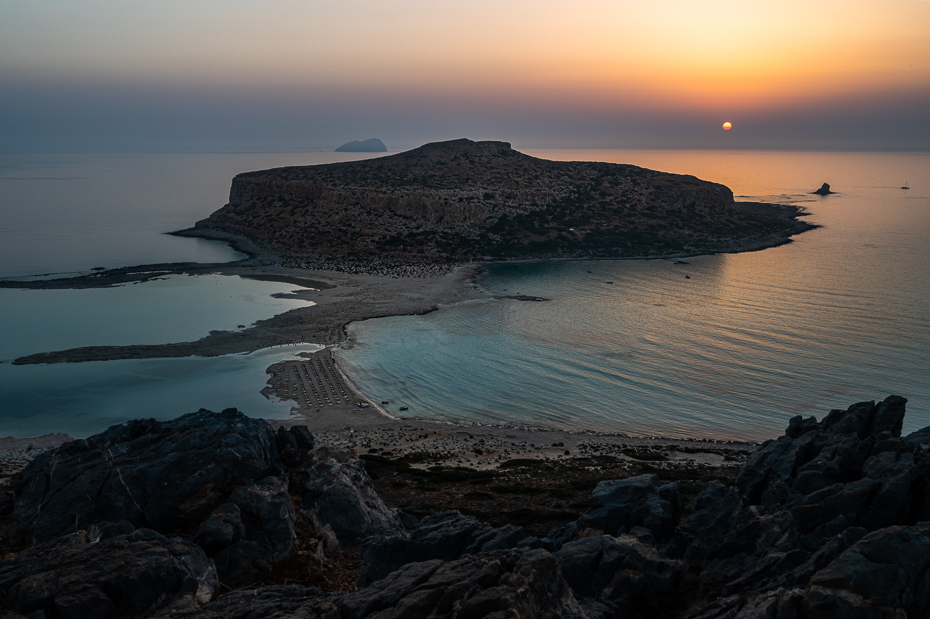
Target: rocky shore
[[219, 515]]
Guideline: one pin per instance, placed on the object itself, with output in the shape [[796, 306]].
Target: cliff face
[[461, 199]]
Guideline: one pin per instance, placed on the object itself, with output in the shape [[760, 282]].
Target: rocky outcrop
[[637, 505], [335, 491], [830, 520], [515, 583], [458, 200], [246, 536], [221, 478], [101, 575], [160, 475], [631, 578], [446, 536]]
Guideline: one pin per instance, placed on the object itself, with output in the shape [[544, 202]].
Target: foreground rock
[[515, 583], [831, 520], [335, 490], [221, 478], [164, 476], [103, 574], [637, 505], [800, 515], [446, 536]]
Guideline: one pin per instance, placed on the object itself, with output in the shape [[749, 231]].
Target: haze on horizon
[[89, 75]]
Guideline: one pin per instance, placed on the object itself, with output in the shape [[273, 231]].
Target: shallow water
[[83, 398], [176, 308], [73, 212], [70, 213], [80, 399], [840, 315]]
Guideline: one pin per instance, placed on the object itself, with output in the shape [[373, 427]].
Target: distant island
[[463, 201], [374, 145]]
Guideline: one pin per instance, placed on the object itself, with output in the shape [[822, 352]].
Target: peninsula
[[405, 233], [461, 201]]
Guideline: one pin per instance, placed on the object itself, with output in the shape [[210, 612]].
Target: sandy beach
[[326, 400]]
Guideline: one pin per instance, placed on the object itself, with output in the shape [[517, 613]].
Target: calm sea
[[70, 213], [747, 342], [728, 346]]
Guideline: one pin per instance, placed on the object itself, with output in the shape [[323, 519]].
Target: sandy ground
[[338, 300], [326, 401]]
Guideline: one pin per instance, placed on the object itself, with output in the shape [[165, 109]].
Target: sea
[[725, 347]]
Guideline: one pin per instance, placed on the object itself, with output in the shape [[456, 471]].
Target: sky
[[211, 75]]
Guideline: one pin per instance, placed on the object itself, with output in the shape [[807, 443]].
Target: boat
[[905, 186], [403, 408], [385, 402], [364, 404]]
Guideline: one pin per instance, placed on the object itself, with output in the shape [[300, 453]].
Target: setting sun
[[727, 126]]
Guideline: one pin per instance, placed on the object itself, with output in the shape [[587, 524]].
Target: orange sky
[[722, 57]]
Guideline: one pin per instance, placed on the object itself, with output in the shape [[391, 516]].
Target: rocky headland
[[461, 201], [218, 515]]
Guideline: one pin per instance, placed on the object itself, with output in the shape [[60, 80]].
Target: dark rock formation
[[832, 520], [248, 535], [801, 507], [515, 583], [281, 602], [160, 475], [96, 576], [447, 536], [218, 476], [824, 190], [371, 145], [459, 200], [626, 574], [637, 505], [335, 490], [499, 584]]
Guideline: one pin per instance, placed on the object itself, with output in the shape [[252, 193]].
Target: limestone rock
[[335, 490], [131, 575], [630, 575], [248, 535], [446, 536], [159, 475], [499, 584]]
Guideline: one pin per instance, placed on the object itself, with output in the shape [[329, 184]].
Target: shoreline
[[341, 299], [424, 288]]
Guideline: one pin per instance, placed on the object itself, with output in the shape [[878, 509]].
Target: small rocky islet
[[219, 515]]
